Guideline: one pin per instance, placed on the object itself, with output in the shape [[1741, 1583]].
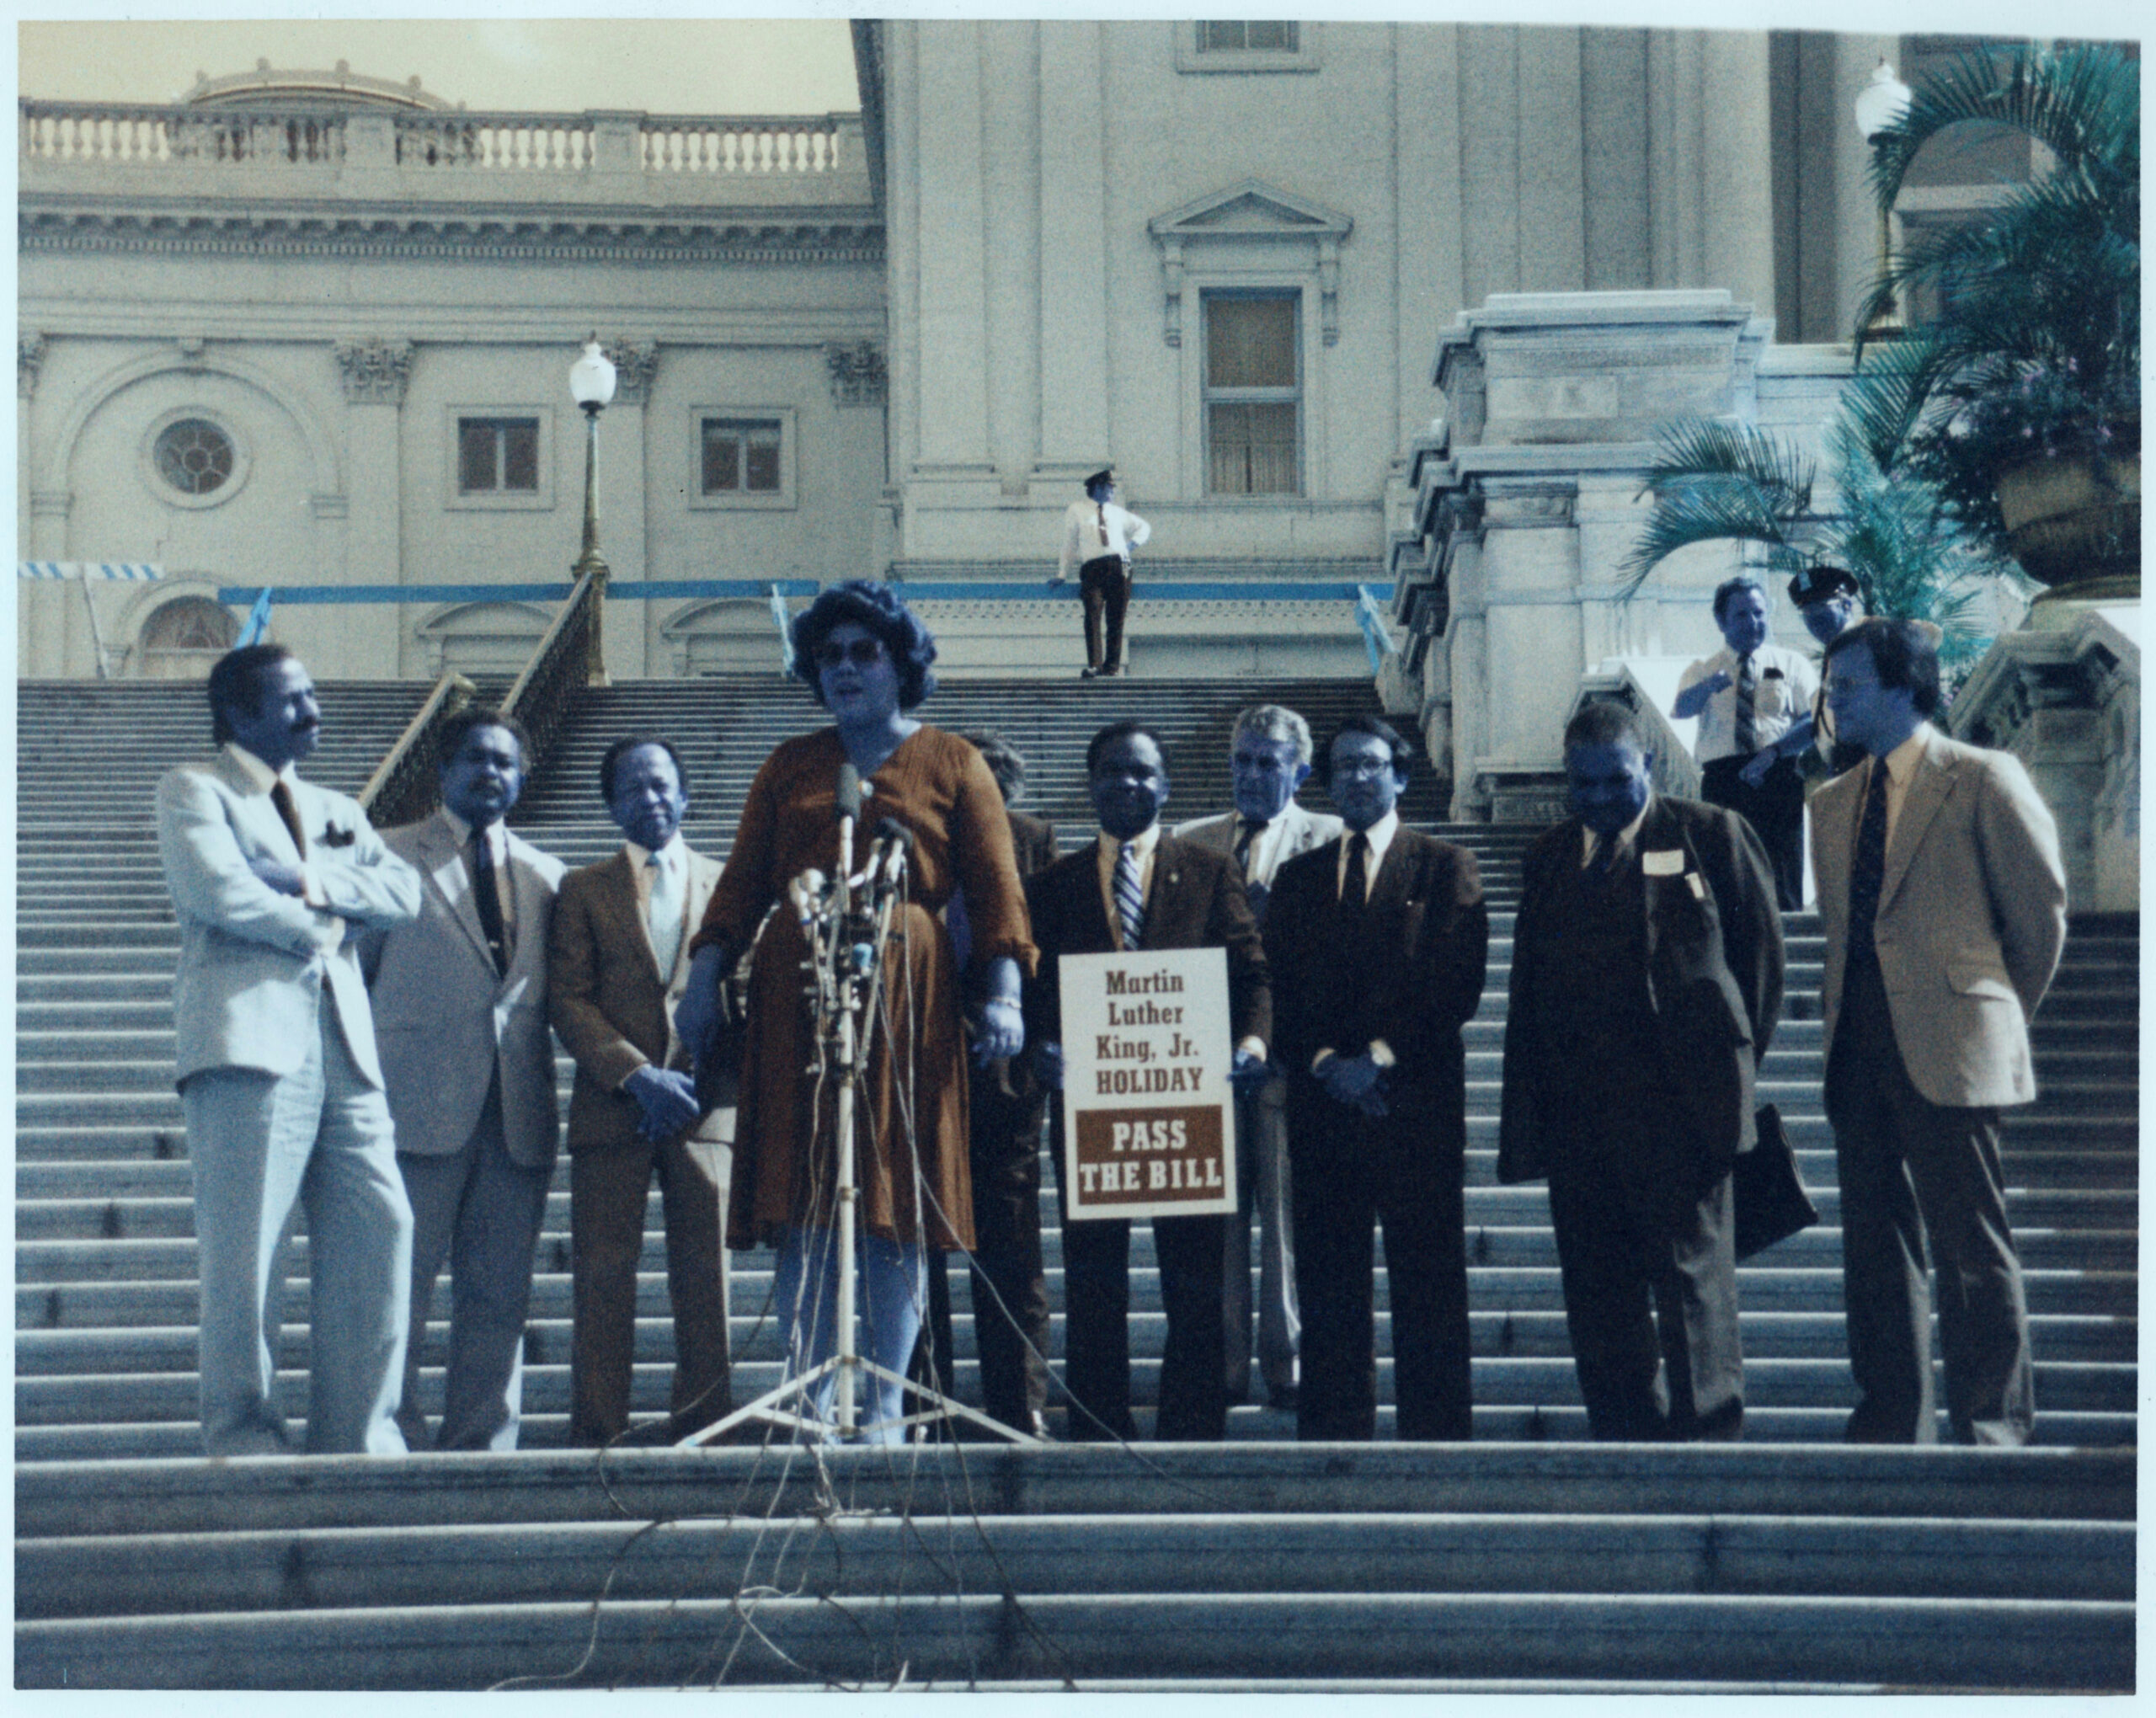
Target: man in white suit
[[275, 1060], [620, 964], [460, 1007], [1945, 908], [1269, 758]]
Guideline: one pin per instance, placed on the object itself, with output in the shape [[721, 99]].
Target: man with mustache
[[272, 879]]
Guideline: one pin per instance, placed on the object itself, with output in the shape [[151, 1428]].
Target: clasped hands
[[1357, 1081], [667, 1098]]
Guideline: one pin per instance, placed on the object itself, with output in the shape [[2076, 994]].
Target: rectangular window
[[1232, 37], [1253, 394], [742, 456], [498, 456]]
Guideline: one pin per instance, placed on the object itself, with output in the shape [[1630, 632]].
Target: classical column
[[1737, 199], [952, 250], [1073, 241], [374, 372], [1428, 259]]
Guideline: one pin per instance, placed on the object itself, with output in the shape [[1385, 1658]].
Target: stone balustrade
[[315, 140]]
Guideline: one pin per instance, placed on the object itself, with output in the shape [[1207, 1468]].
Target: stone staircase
[[1524, 1561]]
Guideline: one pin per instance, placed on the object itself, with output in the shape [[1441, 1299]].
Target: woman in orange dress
[[865, 658]]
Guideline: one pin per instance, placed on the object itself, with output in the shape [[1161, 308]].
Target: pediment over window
[[1204, 235], [1248, 209]]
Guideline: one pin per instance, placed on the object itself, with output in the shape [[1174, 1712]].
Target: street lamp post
[[591, 386], [1881, 105]]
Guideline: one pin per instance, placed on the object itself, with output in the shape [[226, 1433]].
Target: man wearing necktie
[[1747, 696], [275, 1054], [460, 1007], [1944, 902], [1135, 888], [1097, 538], [1379, 944], [619, 969], [1646, 982], [1269, 758]]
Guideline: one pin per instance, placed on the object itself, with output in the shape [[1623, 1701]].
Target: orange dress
[[909, 1137]]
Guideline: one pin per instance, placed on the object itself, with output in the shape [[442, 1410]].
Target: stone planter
[[2073, 520]]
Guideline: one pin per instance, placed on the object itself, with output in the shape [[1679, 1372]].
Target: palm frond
[[1693, 451]]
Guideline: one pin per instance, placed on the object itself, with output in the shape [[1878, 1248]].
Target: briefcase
[[1770, 1197]]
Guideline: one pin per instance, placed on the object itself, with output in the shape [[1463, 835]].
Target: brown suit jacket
[[609, 1002]]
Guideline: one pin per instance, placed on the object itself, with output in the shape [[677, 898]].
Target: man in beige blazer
[[460, 1013], [1268, 759], [620, 955], [1945, 907]]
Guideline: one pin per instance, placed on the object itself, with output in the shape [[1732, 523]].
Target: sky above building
[[560, 64]]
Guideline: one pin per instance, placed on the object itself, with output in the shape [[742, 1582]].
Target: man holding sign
[[1137, 891], [1378, 941]]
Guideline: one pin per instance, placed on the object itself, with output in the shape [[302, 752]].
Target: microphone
[[849, 792], [898, 841], [804, 891]]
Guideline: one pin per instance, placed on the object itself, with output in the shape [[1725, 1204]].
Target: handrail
[[406, 783], [563, 661]]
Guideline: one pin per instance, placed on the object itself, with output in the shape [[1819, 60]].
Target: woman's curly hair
[[879, 609]]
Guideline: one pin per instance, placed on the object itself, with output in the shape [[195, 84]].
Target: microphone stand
[[847, 920]]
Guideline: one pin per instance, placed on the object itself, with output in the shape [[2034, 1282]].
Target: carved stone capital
[[858, 376], [30, 359], [374, 372], [636, 363]]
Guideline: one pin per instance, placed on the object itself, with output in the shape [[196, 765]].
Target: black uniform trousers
[[1351, 1173], [1010, 1285], [1911, 1170], [1191, 1252], [1104, 587], [1775, 811]]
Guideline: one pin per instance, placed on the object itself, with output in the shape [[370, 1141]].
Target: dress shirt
[[667, 934], [1379, 836], [262, 778], [497, 837], [1265, 855], [1626, 838], [1776, 703], [1082, 534], [1106, 849]]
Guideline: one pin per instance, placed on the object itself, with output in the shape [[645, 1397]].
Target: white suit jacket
[[1972, 917], [447, 1021], [1300, 831], [253, 964]]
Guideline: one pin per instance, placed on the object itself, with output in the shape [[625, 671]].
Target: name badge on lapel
[[1667, 861]]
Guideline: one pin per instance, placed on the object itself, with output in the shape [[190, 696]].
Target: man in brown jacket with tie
[[619, 963]]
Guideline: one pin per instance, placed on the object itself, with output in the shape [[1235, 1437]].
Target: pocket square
[[331, 836]]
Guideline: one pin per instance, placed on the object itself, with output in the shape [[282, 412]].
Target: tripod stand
[[847, 922]]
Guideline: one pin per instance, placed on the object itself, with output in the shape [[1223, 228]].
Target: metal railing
[[407, 784], [568, 658]]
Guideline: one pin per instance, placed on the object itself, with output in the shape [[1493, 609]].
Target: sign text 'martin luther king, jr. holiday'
[[1148, 1118]]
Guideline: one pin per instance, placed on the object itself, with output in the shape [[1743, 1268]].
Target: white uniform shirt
[[1083, 524], [1786, 683]]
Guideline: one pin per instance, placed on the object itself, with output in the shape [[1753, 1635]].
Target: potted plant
[[2025, 365]]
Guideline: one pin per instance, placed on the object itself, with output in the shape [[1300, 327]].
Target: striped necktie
[[1129, 898], [1748, 703]]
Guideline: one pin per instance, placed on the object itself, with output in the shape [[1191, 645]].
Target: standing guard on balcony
[[1098, 537]]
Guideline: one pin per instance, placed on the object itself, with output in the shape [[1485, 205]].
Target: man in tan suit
[[620, 961], [460, 1013], [1945, 906]]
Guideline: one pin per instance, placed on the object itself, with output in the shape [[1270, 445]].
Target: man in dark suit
[[1944, 901], [1010, 1305], [460, 1014], [1646, 981], [1135, 888], [620, 964], [1378, 943]]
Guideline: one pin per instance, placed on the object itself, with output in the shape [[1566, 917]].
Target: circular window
[[194, 456]]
